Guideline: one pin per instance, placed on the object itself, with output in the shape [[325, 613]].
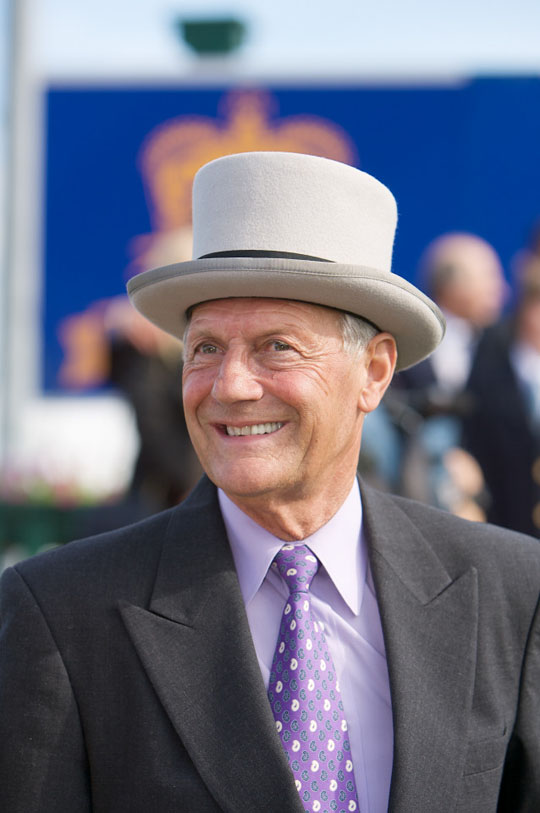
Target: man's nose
[[236, 380]]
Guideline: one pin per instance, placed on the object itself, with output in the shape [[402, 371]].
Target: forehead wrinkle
[[283, 315]]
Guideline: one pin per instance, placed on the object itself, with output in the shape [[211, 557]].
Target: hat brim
[[163, 295]]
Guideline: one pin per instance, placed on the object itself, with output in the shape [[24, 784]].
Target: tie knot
[[297, 565]]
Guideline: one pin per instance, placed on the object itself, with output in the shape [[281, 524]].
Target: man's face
[[477, 290], [271, 398]]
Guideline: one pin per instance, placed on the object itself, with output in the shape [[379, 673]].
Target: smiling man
[[287, 639], [275, 406]]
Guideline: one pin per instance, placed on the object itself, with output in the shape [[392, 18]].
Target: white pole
[[21, 283], [9, 49]]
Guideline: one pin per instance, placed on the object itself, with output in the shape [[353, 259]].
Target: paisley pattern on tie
[[305, 697]]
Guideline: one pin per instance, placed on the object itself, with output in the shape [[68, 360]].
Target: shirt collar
[[458, 326], [526, 361], [339, 545]]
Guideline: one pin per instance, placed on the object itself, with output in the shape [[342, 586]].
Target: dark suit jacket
[[500, 434], [129, 681]]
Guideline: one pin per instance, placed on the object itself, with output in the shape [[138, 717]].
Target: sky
[[302, 36]]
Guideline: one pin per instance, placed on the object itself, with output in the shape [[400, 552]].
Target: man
[[463, 274], [282, 642], [503, 428]]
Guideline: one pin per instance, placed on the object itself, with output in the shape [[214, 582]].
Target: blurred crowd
[[113, 344], [460, 430]]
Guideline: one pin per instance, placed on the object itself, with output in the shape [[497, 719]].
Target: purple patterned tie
[[305, 697]]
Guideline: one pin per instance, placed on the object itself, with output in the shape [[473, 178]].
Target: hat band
[[285, 255]]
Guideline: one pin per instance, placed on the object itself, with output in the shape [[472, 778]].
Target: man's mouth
[[254, 429]]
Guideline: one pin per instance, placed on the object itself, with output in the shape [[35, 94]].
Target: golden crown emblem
[[173, 152]]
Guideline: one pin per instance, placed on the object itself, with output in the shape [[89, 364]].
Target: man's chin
[[248, 491], [249, 482]]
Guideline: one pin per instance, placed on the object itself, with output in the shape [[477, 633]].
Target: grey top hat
[[291, 226]]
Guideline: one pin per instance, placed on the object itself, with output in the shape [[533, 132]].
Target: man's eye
[[206, 349], [281, 346]]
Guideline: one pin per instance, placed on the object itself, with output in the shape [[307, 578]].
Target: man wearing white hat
[[284, 640]]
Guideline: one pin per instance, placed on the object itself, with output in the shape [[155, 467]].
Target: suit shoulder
[[456, 541], [119, 562], [122, 556], [475, 539]]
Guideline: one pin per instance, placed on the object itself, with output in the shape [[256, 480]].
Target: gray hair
[[356, 333]]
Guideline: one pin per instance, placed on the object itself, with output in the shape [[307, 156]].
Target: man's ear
[[380, 361]]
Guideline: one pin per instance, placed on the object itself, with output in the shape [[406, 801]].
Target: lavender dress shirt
[[343, 597]]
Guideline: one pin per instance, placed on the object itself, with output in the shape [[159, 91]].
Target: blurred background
[[109, 108]]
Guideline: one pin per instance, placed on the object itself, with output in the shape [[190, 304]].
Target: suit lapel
[[195, 644], [213, 691], [430, 626]]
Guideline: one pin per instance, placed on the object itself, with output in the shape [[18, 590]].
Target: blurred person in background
[[146, 367], [111, 344], [502, 429], [464, 275]]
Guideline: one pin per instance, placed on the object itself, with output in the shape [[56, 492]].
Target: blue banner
[[120, 162]]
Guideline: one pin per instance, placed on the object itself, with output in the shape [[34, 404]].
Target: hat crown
[[263, 219], [295, 204]]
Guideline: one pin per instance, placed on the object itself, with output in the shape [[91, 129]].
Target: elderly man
[[284, 640], [464, 275]]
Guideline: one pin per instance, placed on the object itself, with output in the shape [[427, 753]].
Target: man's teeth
[[255, 429]]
